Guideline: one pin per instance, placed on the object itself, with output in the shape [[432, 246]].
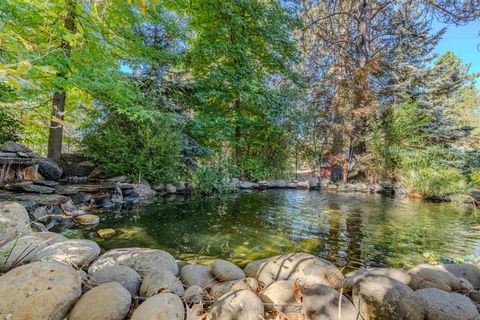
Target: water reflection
[[349, 229]]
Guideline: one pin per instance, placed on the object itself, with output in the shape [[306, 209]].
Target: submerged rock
[[14, 221], [106, 233], [196, 275], [237, 305], [158, 281], [87, 219], [40, 290], [109, 301], [378, 297], [123, 275], [163, 306], [142, 260], [226, 271]]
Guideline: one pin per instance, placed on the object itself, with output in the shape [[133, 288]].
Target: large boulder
[[123, 275], [141, 260], [145, 191], [49, 169], [76, 165], [322, 303], [279, 292], [237, 305], [11, 146], [469, 272], [378, 297], [398, 274], [428, 276], [226, 271], [196, 275], [14, 221], [109, 301], [163, 306], [251, 270], [442, 305], [20, 251], [303, 267], [37, 291], [158, 281], [77, 253]]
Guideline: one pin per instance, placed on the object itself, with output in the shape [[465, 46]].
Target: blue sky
[[464, 41]]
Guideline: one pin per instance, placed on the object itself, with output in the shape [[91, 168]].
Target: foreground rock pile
[[50, 277]]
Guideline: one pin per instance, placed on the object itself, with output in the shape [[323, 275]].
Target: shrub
[[430, 182], [10, 127], [147, 149], [207, 181]]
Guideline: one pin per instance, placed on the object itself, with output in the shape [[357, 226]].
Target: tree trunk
[[55, 137]]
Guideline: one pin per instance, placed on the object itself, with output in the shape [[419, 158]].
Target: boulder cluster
[[47, 276]]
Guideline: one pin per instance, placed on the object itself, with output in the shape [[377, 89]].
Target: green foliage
[[435, 183], [207, 181], [10, 127], [475, 178], [147, 149]]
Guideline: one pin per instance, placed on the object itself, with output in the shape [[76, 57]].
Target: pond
[[349, 229]]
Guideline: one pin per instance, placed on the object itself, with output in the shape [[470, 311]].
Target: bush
[[10, 127], [207, 181], [429, 182], [147, 149]]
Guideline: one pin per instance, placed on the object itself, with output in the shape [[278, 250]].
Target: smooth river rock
[[196, 275], [163, 306], [142, 260], [378, 297], [442, 305], [39, 291], [126, 276], [109, 301], [158, 281], [193, 294], [251, 270], [237, 305], [428, 276], [14, 221], [20, 251], [219, 289], [279, 292], [469, 272], [303, 267], [226, 271], [87, 219], [398, 274], [78, 253], [322, 303]]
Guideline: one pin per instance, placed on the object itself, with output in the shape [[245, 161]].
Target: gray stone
[[251, 269], [237, 305], [292, 185], [20, 251], [77, 253], [322, 303], [469, 272], [14, 221], [170, 188], [41, 290], [49, 169], [163, 306], [246, 185], [10, 146], [193, 294], [180, 186], [442, 305], [428, 276], [145, 190], [226, 271], [281, 183], [142, 260], [28, 186], [159, 281], [124, 275], [303, 267], [108, 301], [303, 185], [196, 275], [279, 292], [46, 183], [354, 276], [378, 297]]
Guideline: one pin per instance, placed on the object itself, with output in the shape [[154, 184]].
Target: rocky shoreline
[[44, 275]]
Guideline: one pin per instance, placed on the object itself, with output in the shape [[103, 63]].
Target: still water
[[349, 229]]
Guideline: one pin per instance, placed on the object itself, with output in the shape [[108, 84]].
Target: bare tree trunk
[[55, 137]]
